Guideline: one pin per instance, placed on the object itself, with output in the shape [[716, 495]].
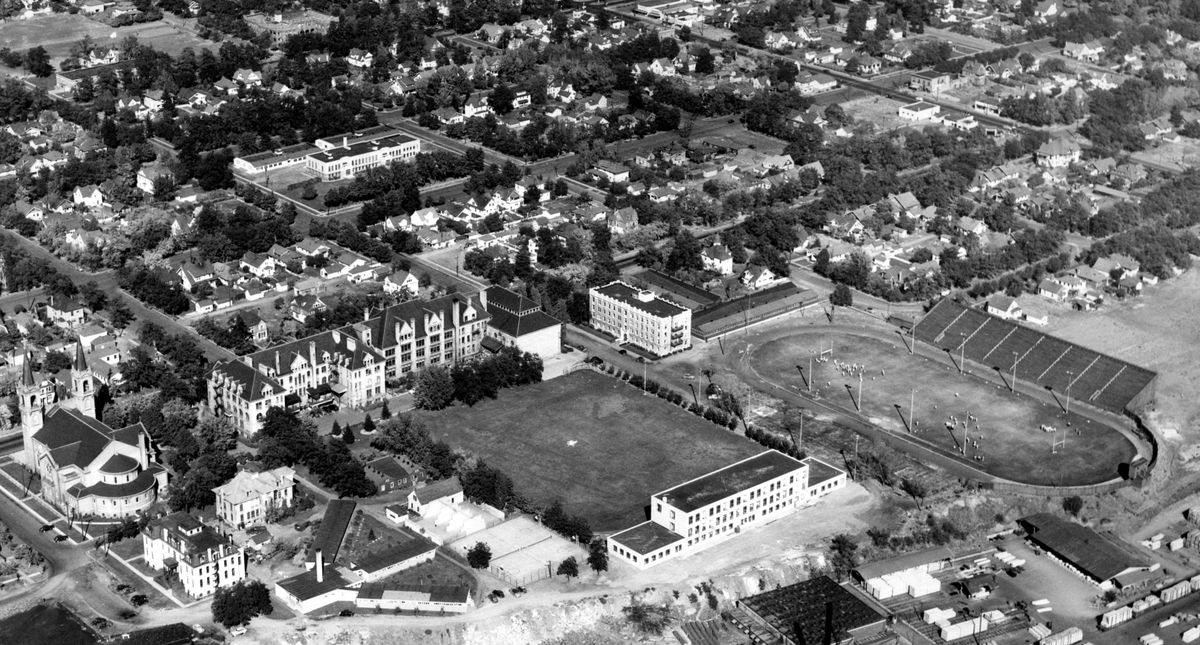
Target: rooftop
[[820, 472], [306, 587], [438, 490], [730, 480], [646, 537], [1096, 555], [333, 528], [383, 558], [434, 593], [626, 294], [356, 149], [806, 611], [246, 485]]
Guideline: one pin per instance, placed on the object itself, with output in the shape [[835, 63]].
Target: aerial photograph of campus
[[540, 322]]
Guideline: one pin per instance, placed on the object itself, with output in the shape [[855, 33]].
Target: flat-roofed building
[[713, 508], [249, 497], [350, 159], [641, 318], [282, 25], [202, 558], [294, 155]]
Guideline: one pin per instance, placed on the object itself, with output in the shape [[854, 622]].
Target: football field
[[1016, 437]]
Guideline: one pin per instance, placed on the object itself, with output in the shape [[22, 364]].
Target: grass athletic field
[[1003, 429], [591, 441]]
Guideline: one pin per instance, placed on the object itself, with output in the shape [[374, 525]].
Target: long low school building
[[712, 508]]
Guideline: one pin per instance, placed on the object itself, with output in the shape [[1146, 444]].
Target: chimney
[[345, 142], [483, 299], [312, 352], [397, 332], [320, 566], [455, 312], [277, 370], [366, 314], [337, 336]]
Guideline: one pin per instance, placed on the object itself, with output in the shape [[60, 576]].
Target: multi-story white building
[[86, 467], [342, 359], [283, 25], [349, 159], [710, 509], [423, 333], [203, 559], [641, 318], [349, 364], [248, 497]]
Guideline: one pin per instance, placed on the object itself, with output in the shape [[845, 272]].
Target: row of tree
[[472, 381]]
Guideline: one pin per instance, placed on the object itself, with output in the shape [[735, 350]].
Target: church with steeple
[[86, 468]]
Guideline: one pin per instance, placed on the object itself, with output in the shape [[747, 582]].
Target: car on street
[[60, 538], [46, 528]]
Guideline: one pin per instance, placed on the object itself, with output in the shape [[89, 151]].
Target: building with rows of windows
[[641, 318], [350, 159], [203, 558], [712, 508], [348, 366]]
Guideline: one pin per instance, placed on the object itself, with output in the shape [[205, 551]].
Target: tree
[[336, 430], [706, 63], [844, 550], [37, 62], [501, 99], [841, 296], [368, 424], [435, 389], [568, 568], [347, 435], [856, 22], [916, 489], [93, 297], [384, 412], [880, 537], [479, 556], [598, 555], [237, 604], [1073, 505]]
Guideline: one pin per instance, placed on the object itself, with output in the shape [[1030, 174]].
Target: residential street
[[107, 281]]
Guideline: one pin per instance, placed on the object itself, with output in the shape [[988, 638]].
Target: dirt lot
[[883, 113], [1157, 331], [1181, 155]]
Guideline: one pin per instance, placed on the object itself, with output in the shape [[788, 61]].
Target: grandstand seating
[[1094, 378]]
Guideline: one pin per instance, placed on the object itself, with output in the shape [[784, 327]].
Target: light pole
[[860, 391], [1014, 376], [912, 412], [810, 372], [645, 392], [962, 354], [1069, 379]]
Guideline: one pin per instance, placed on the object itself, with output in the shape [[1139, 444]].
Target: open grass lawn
[[591, 441], [57, 32], [438, 571], [1007, 427]]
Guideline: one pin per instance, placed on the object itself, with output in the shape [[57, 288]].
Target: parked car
[[46, 528], [237, 631], [60, 538], [346, 613]]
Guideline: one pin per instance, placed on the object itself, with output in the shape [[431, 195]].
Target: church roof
[[75, 439], [80, 359]]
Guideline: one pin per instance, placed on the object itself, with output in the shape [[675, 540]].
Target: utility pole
[[1014, 376]]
